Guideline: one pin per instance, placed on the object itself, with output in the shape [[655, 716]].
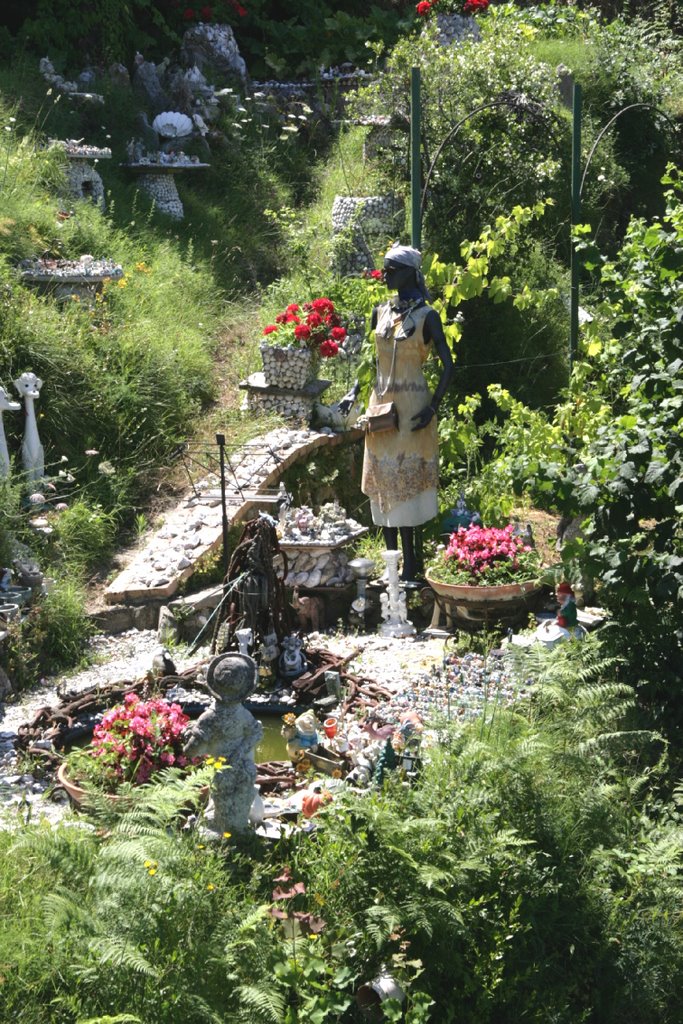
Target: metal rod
[[575, 219], [415, 164], [220, 441]]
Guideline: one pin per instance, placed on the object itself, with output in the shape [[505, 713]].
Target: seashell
[[314, 578], [301, 579], [172, 125]]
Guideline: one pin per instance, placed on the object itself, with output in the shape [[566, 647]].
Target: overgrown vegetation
[[535, 864]]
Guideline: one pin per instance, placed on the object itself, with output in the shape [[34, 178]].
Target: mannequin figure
[[400, 467]]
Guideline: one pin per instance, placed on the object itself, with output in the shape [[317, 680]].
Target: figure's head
[[403, 269], [28, 385], [563, 590], [232, 677], [306, 723]]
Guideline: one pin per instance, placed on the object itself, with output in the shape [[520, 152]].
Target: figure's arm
[[433, 331], [346, 403]]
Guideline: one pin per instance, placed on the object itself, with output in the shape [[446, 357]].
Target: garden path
[[194, 528]]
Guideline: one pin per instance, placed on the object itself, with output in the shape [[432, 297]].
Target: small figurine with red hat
[[566, 616]]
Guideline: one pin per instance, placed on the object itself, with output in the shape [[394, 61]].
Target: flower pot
[[289, 368], [79, 796], [476, 606]]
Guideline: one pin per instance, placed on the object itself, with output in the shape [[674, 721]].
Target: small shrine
[[83, 181]]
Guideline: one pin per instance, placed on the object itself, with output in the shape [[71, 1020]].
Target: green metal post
[[575, 219], [415, 164]]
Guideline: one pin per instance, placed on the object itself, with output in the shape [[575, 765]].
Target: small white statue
[[6, 405], [228, 730], [394, 606], [32, 454]]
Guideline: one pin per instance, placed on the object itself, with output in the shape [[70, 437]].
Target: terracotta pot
[[475, 606], [79, 796]]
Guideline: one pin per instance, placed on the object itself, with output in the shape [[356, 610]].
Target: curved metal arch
[[624, 110]]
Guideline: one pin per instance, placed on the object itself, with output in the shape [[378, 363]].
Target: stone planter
[[473, 607], [290, 368]]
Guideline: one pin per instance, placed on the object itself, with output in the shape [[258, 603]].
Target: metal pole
[[415, 164], [575, 219], [220, 441]]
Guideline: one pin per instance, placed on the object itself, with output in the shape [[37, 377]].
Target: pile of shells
[[462, 689], [44, 268], [330, 526], [75, 149], [290, 368], [138, 156]]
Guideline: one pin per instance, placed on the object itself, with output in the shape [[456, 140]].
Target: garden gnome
[[6, 405], [567, 615], [401, 465], [228, 730], [32, 455], [301, 734]]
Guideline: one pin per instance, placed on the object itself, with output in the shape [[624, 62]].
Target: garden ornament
[[292, 662], [32, 454], [227, 730], [6, 405], [301, 734]]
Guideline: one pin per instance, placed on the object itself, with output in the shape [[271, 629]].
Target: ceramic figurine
[[301, 735], [6, 405], [567, 615], [292, 662], [32, 454]]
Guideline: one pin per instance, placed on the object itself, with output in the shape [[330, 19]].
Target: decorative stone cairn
[[229, 731], [287, 384], [83, 181], [394, 611], [313, 545], [6, 405], [453, 29], [214, 47], [360, 224], [81, 278], [156, 170]]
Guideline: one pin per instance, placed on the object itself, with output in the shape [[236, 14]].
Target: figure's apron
[[401, 467]]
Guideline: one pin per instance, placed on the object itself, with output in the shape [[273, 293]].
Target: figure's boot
[[410, 570]]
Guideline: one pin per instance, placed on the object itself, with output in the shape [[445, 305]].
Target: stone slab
[[257, 382]]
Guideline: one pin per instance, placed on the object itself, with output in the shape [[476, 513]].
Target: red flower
[[376, 275], [471, 6], [207, 13], [338, 333], [302, 332], [328, 349], [270, 329], [314, 320], [323, 306], [293, 307], [424, 7], [188, 14], [237, 8]]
